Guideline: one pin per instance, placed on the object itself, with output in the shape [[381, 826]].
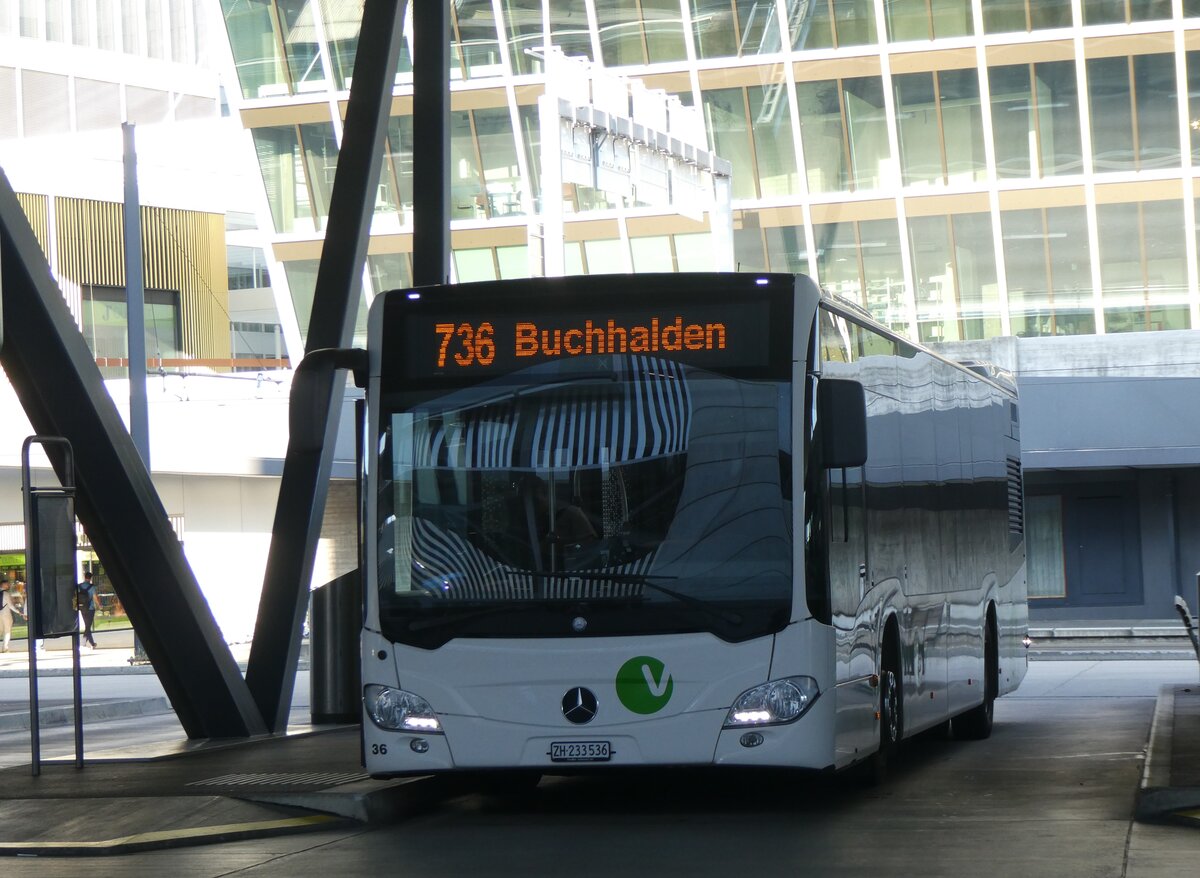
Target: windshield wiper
[[727, 616]]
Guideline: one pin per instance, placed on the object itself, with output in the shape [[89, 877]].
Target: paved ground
[[1052, 793]]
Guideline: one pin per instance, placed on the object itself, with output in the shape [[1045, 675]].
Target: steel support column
[[304, 485], [60, 388], [431, 144]]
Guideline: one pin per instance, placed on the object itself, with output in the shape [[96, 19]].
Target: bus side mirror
[[842, 414]]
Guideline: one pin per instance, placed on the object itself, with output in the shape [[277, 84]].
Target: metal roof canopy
[[59, 386], [304, 485]]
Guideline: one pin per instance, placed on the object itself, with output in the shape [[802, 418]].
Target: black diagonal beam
[[271, 673], [63, 394]]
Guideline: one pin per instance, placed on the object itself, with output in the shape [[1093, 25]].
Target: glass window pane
[[1152, 10], [81, 21], [725, 116], [389, 271], [907, 20], [664, 30], [498, 150], [1166, 256], [933, 274], [1193, 74], [1004, 16], [301, 45], [342, 24], [1056, 98], [1049, 13], [652, 254], [568, 27], [321, 155], [467, 199], [870, 154], [1012, 121], [855, 22], [694, 252], [513, 261], [475, 264], [156, 42], [621, 38], [952, 18], [786, 251], [821, 135], [975, 273], [1144, 285], [962, 125], [758, 26], [773, 144], [838, 268], [604, 256], [302, 282], [1104, 11], [1157, 111], [253, 40], [883, 270], [523, 24], [532, 136], [279, 160], [1070, 271], [748, 251], [713, 28], [1048, 270], [398, 170], [477, 42], [920, 140], [1112, 114], [56, 23]]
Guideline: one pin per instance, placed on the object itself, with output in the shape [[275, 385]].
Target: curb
[[1157, 800], [385, 804], [151, 841], [64, 715]]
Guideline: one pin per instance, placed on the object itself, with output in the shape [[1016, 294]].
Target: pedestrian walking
[[7, 608], [87, 602]]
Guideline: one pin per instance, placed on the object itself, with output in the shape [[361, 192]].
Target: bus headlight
[[780, 701], [397, 710]]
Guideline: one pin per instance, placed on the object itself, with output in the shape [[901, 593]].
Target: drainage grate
[[316, 779]]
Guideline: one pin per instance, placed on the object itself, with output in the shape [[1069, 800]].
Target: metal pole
[[135, 312], [431, 144], [77, 692]]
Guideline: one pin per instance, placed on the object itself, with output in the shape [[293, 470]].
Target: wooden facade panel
[[182, 252]]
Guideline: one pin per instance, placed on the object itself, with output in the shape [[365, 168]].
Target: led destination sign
[[476, 343]]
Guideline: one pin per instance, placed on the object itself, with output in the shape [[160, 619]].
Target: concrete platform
[[1170, 787], [205, 793]]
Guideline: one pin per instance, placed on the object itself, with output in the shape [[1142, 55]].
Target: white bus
[[672, 520]]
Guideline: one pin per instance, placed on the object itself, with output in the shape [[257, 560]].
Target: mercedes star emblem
[[579, 705]]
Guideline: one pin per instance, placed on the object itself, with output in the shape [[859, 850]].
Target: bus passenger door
[[853, 630]]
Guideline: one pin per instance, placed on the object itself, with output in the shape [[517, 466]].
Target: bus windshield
[[605, 495]]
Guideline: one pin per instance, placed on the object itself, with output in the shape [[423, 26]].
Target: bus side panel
[[1013, 609]]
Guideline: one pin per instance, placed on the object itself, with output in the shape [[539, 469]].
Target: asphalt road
[[1049, 794]]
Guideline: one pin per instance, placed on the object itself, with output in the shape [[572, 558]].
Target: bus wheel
[[976, 723], [890, 726]]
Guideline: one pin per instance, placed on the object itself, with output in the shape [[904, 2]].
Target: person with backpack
[[87, 602]]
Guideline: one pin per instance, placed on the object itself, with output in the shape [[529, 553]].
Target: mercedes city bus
[[671, 520]]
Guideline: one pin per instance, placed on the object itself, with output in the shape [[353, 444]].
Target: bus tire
[[891, 711], [976, 723]]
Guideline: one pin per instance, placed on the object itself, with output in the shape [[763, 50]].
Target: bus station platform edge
[[1170, 785]]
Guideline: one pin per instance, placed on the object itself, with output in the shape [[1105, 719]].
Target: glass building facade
[[961, 169]]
